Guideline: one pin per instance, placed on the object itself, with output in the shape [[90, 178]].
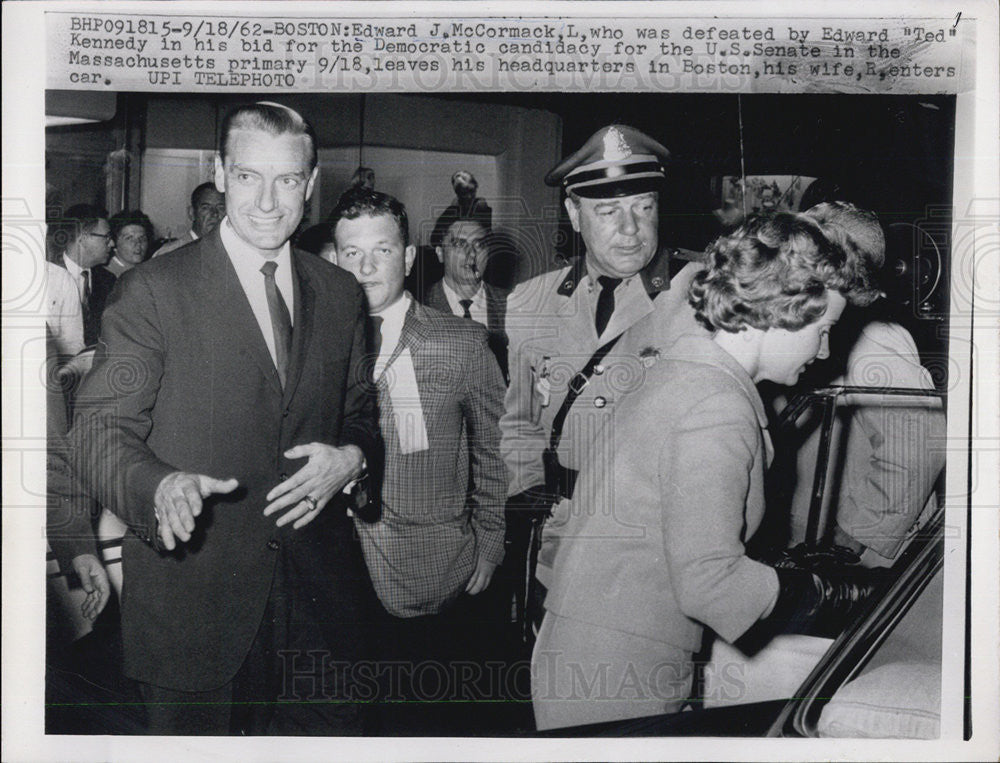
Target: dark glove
[[816, 558], [814, 603]]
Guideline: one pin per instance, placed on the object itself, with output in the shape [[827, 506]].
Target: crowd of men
[[328, 485]]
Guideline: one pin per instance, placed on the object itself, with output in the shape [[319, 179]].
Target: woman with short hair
[[132, 232], [655, 548]]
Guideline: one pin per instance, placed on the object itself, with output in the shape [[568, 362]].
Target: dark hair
[[131, 217], [454, 214], [772, 272], [359, 201], [272, 118], [197, 193], [65, 228], [314, 238]]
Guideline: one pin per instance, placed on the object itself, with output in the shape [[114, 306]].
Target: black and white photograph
[[555, 381]]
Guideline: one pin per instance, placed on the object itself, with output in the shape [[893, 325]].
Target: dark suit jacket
[[496, 314], [102, 282], [182, 380], [442, 505]]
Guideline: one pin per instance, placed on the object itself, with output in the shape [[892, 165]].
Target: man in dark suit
[[226, 406], [441, 533], [464, 251]]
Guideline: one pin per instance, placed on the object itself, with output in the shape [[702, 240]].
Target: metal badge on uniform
[[649, 356], [541, 388], [542, 384], [544, 389]]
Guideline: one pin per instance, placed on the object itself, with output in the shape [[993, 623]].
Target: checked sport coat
[[442, 504]]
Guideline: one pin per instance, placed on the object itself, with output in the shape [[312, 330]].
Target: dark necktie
[[605, 302], [89, 324], [466, 304], [375, 335], [281, 321]]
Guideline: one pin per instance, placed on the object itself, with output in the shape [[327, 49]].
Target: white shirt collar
[[194, 236], [247, 263], [393, 317], [478, 299], [396, 312], [74, 270], [246, 259]]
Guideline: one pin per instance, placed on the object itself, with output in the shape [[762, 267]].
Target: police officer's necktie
[[466, 304], [281, 321], [605, 302]]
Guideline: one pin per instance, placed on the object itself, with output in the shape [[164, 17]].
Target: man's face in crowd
[[132, 244], [620, 233], [371, 248], [464, 252], [266, 180], [93, 247], [208, 212]]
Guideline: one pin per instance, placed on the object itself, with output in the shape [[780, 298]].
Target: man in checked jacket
[[440, 395]]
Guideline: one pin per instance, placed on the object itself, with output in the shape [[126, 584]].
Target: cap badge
[[615, 145]]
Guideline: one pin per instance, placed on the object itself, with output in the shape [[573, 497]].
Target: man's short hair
[[361, 202], [272, 118], [199, 191], [449, 222], [65, 228], [454, 215]]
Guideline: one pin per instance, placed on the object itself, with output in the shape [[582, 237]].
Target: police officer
[[579, 336]]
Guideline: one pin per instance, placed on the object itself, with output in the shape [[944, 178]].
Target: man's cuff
[[140, 513], [490, 545]]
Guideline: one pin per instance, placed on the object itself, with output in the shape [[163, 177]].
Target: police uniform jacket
[[550, 324]]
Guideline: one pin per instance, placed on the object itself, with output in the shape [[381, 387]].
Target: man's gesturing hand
[[307, 491], [94, 579], [178, 501]]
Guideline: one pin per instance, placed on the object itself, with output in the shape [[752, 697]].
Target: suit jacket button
[[284, 413], [273, 545]]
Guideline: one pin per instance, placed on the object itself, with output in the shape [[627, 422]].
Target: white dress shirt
[[393, 318], [76, 273], [477, 309], [401, 381], [247, 263], [63, 314]]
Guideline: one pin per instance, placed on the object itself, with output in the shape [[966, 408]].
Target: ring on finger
[[313, 503]]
